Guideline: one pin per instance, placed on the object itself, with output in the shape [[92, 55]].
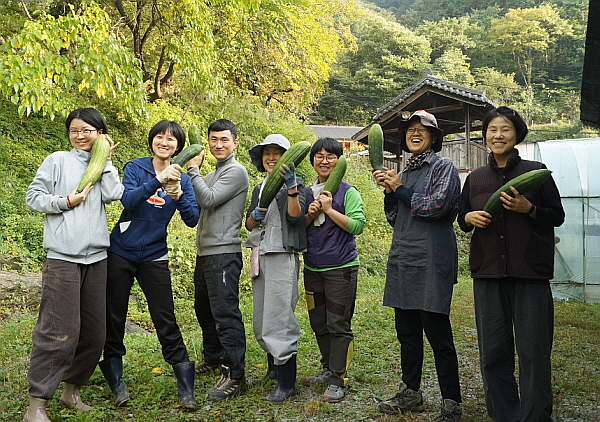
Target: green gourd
[[336, 175], [295, 154], [375, 140], [194, 135], [100, 152], [523, 184], [188, 153]]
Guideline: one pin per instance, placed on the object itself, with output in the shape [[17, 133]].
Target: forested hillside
[[527, 54]]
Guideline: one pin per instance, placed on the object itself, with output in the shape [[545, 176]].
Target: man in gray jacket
[[221, 196]]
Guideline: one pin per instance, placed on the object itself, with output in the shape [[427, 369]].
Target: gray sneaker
[[405, 400], [320, 378], [451, 411], [333, 394]]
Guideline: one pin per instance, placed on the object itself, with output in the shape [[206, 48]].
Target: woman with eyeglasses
[[331, 267], [421, 204], [154, 190], [69, 333]]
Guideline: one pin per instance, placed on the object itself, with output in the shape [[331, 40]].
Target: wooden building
[[458, 110]]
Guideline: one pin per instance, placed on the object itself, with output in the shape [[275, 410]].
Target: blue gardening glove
[[258, 214], [289, 175]]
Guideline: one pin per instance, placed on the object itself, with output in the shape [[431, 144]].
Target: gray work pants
[[512, 314], [274, 299]]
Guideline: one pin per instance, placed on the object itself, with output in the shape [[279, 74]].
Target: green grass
[[374, 372]]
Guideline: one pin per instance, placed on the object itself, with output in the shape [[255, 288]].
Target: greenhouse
[[576, 170]]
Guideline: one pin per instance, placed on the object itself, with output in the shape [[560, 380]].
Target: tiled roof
[[335, 132]]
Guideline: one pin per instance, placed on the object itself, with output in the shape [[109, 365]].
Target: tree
[[282, 52], [388, 58], [53, 63], [453, 66], [448, 33]]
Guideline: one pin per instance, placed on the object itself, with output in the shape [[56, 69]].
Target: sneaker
[[451, 411], [227, 387], [320, 378], [405, 400], [204, 367], [334, 394]]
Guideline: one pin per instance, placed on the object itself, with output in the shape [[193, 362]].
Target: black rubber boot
[[185, 373], [272, 369], [112, 369], [286, 382]]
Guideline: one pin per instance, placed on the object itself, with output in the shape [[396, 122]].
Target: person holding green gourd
[[421, 204], [155, 190], [277, 235], [69, 333], [334, 215], [512, 261]]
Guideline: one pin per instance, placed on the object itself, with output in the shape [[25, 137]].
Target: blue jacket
[[140, 235]]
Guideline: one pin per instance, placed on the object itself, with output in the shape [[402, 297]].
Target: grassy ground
[[374, 371]]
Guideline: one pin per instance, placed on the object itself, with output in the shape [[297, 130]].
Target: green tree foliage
[[282, 52], [53, 62], [453, 66], [388, 58], [448, 33]]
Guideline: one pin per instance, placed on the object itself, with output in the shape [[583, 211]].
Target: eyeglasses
[[74, 132], [328, 157], [417, 130]]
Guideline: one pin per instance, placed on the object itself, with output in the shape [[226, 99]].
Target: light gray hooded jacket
[[80, 234]]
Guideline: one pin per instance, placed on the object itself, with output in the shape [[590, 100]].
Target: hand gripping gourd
[[100, 152], [295, 155], [193, 149], [523, 184]]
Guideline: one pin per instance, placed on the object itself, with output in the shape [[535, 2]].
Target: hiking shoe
[[204, 367], [227, 387], [404, 400], [320, 378], [333, 394], [451, 411]]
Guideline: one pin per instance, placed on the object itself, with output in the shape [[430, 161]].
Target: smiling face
[[324, 162], [222, 144], [82, 135], [418, 138], [501, 137], [164, 145], [270, 156]]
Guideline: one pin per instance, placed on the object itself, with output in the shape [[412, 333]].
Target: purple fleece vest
[[329, 245]]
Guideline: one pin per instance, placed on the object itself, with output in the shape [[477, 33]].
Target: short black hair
[[221, 125], [89, 115], [510, 114], [165, 126], [329, 144]]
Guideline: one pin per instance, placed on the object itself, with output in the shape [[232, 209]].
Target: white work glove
[[172, 172], [173, 188]]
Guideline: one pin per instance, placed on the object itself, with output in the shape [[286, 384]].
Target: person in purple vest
[[331, 267], [512, 261]]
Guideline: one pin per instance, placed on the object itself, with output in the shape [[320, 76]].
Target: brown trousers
[[71, 328]]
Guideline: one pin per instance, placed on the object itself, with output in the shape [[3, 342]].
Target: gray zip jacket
[[221, 197], [80, 234]]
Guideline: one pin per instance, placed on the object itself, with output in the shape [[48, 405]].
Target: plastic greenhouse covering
[[576, 170]]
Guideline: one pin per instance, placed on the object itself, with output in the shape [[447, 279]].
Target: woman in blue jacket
[[154, 190]]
